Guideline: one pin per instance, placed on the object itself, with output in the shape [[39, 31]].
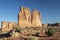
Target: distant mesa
[[25, 18]]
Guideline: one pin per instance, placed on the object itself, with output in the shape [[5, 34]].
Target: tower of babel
[[25, 19], [30, 19]]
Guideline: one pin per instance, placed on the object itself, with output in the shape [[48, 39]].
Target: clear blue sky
[[49, 9]]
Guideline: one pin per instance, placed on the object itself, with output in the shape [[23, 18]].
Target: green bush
[[27, 27], [32, 38], [20, 29], [50, 32]]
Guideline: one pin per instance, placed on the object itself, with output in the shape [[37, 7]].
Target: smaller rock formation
[[36, 19], [4, 26], [7, 26]]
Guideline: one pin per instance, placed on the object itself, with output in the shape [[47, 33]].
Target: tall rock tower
[[36, 18], [24, 17], [27, 18]]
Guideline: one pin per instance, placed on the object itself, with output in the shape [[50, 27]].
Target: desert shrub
[[32, 38], [37, 33], [27, 27], [50, 32], [14, 27], [20, 29]]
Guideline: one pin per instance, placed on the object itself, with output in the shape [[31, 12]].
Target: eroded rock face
[[36, 18], [26, 18], [12, 25], [7, 26], [4, 26]]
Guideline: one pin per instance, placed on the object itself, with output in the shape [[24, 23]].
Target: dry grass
[[28, 34]]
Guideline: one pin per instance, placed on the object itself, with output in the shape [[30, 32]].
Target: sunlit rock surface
[[27, 18]]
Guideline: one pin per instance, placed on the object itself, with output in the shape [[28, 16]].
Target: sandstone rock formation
[[4, 26], [26, 18], [7, 26], [36, 18]]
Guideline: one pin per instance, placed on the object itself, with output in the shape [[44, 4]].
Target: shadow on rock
[[5, 35]]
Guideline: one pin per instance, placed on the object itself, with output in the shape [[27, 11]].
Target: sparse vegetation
[[30, 33], [27, 27], [50, 32], [20, 29], [37, 33]]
